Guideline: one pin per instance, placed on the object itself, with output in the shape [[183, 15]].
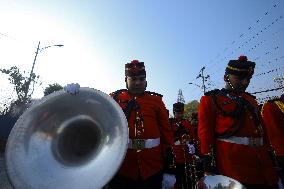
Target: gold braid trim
[[280, 105], [262, 108], [237, 69]]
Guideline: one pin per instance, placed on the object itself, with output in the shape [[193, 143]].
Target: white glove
[[72, 88], [280, 186], [168, 181], [191, 149]]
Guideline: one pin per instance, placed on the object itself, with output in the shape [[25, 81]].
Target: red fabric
[[274, 123], [249, 165], [155, 116], [181, 151], [243, 58]]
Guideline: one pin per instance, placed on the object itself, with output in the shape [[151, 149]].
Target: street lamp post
[[204, 78], [32, 70]]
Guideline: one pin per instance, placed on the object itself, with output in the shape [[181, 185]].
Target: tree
[[190, 107], [52, 88], [20, 84]]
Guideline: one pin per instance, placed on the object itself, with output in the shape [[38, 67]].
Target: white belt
[[139, 144], [254, 142]]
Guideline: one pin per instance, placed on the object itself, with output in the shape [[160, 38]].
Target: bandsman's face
[[240, 83], [194, 122], [178, 115], [136, 84]]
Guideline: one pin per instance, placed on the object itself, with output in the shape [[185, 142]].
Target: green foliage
[[16, 79], [190, 107], [52, 88], [20, 84]]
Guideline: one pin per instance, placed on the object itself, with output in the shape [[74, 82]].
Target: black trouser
[[260, 186], [152, 182], [280, 160], [183, 179]]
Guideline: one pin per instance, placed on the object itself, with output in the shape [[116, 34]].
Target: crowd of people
[[230, 135]]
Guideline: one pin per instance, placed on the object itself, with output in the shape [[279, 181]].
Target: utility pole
[[180, 96], [204, 78], [31, 73], [32, 70]]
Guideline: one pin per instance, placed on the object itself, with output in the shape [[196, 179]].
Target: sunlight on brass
[[218, 181], [67, 141]]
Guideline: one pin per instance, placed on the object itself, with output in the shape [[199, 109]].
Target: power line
[[7, 36], [249, 30], [268, 90], [270, 71]]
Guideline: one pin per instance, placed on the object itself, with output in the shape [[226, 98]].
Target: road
[[4, 183]]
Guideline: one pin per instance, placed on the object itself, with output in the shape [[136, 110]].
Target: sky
[[175, 39]]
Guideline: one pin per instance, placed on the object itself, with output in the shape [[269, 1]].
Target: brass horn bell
[[67, 141]]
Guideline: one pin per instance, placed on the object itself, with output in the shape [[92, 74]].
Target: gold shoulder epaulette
[[280, 105]]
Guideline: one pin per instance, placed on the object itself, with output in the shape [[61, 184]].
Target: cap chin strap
[[229, 82], [126, 83]]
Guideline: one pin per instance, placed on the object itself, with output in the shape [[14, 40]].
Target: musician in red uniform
[[230, 127], [273, 116], [194, 122], [184, 148], [150, 136]]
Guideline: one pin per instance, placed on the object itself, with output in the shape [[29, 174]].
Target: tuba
[[67, 141]]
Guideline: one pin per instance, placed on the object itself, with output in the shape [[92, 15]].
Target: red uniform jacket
[[155, 125], [181, 149], [247, 164], [273, 116]]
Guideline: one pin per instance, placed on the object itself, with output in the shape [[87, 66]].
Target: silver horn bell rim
[[218, 181], [67, 141]]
